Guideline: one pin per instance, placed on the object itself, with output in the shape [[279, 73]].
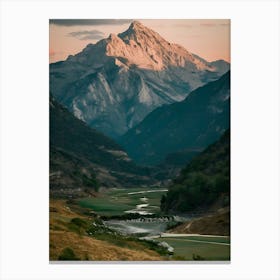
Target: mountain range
[[182, 129], [114, 84]]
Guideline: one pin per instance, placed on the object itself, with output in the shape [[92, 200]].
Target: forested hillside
[[204, 181]]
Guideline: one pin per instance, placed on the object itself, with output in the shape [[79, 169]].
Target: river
[[145, 225]]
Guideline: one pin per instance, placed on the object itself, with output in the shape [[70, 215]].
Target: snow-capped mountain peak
[[137, 69], [145, 48], [142, 47]]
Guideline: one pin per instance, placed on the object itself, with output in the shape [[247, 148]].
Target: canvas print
[[139, 140]]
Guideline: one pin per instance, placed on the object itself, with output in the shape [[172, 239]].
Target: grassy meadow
[[117, 201], [199, 247]]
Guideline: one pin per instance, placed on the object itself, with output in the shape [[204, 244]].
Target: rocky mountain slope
[[81, 157], [188, 126], [113, 84]]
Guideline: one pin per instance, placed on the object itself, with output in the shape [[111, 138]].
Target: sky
[[208, 38]]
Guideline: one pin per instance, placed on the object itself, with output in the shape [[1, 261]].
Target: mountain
[[81, 157], [114, 84], [186, 127], [204, 182]]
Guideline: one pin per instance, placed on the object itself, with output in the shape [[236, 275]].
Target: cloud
[[225, 24], [208, 24], [87, 34], [175, 25], [79, 22]]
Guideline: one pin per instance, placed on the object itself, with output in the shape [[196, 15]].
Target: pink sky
[[208, 38]]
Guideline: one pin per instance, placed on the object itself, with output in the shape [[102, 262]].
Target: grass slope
[[189, 248], [77, 236], [214, 224]]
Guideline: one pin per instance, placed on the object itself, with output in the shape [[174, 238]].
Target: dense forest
[[204, 181]]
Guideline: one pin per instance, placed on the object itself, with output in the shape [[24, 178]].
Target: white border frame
[[254, 124]]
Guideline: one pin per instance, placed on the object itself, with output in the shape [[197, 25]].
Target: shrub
[[78, 222], [68, 254], [197, 257]]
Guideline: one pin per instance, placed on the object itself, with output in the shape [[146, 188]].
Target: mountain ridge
[[191, 124], [81, 157]]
